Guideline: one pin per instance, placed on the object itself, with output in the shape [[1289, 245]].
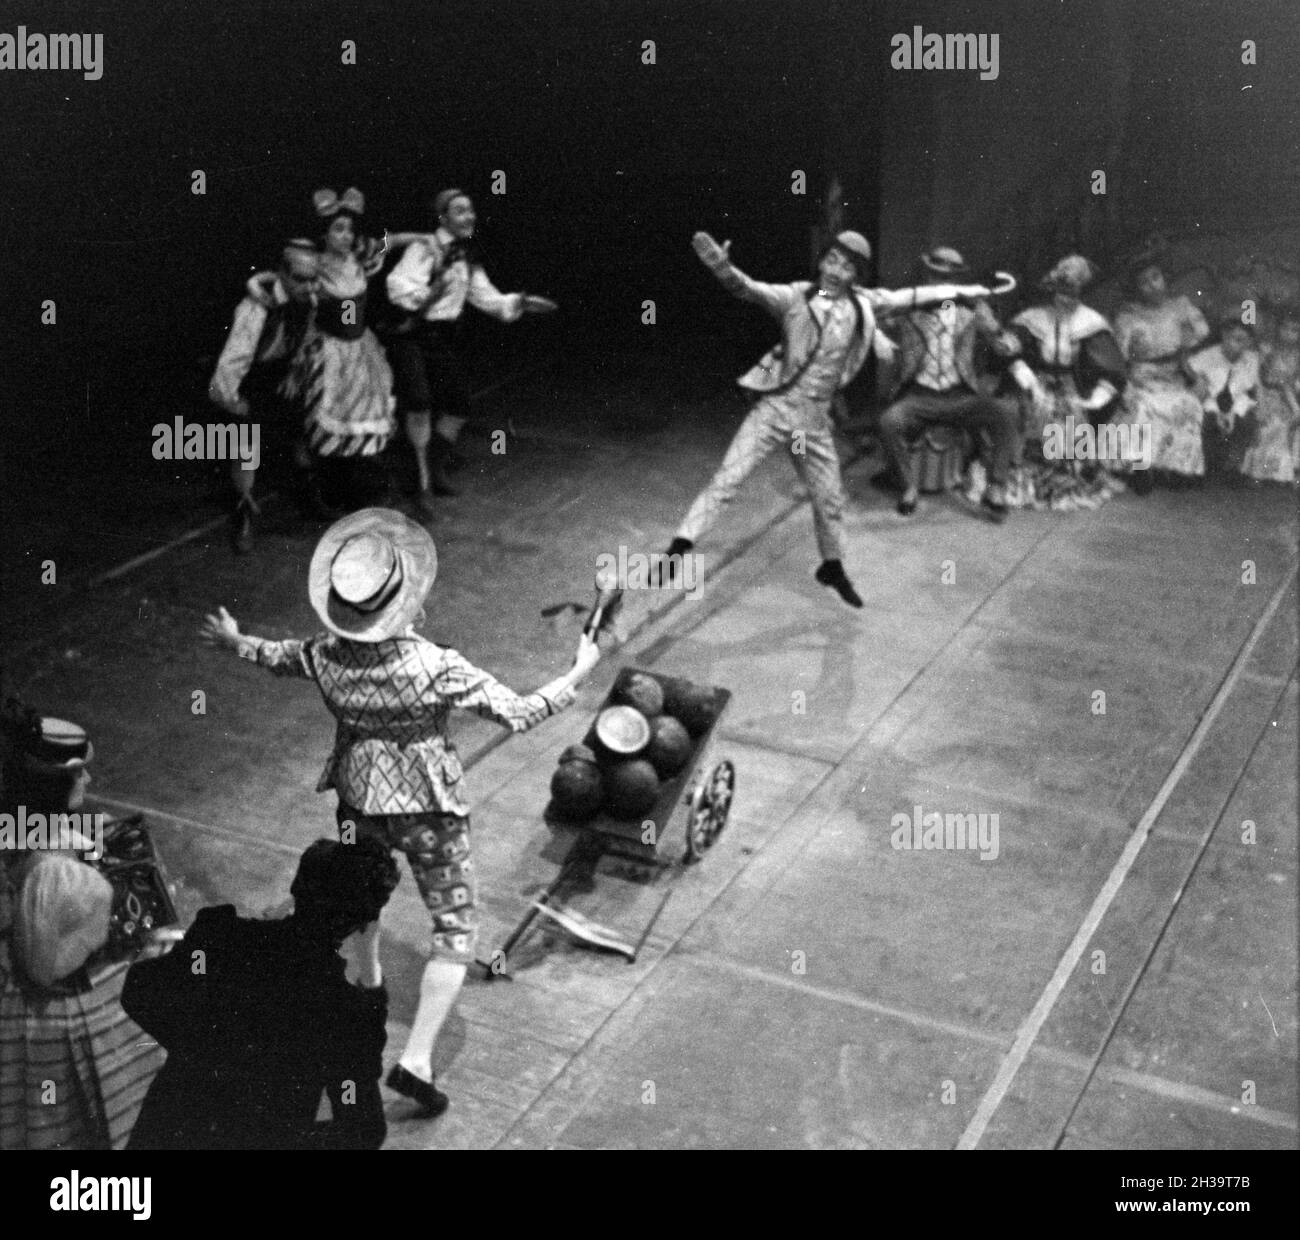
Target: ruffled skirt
[[345, 390]]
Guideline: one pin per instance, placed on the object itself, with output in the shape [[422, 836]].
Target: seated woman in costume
[[1156, 330], [1070, 372], [74, 1068]]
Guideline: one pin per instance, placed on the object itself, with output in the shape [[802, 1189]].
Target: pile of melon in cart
[[643, 760]]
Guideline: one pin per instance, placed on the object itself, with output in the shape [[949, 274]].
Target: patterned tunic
[[392, 699]]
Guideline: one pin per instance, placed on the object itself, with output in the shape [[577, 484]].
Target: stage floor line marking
[[1037, 1018], [1145, 1081]]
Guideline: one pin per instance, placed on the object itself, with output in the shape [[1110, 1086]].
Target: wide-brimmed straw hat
[[370, 573]]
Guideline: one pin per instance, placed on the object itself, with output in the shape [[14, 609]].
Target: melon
[[577, 790], [670, 746], [640, 691], [622, 730], [578, 753], [695, 707], [631, 788]]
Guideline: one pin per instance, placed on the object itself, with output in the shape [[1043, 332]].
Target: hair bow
[[328, 203]]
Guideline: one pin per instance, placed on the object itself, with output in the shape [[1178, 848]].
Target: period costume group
[[302, 357]]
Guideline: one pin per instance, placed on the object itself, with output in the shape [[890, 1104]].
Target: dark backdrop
[[610, 164]]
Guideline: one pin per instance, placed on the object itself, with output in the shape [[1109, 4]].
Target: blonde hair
[[62, 918]]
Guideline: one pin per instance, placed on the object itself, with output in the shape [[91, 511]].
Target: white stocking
[[439, 987], [419, 431]]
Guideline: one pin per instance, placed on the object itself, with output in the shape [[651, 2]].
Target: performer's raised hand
[[711, 254], [587, 657], [220, 630]]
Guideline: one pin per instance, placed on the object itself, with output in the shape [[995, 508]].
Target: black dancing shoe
[[996, 508], [831, 573], [432, 1102], [665, 568], [906, 507]]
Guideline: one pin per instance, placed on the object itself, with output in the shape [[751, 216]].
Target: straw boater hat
[[370, 574], [855, 245], [943, 260]]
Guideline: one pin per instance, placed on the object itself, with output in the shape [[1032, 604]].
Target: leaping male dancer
[[826, 329]]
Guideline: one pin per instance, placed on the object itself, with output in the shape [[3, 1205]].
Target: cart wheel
[[710, 805], [722, 786]]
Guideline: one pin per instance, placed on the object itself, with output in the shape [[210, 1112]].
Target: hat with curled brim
[[370, 574]]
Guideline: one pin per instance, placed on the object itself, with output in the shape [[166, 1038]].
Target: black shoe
[[432, 1102], [455, 462], [996, 509], [440, 453], [241, 528], [831, 573], [666, 569], [906, 507]]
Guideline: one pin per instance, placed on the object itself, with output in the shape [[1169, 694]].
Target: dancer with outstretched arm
[[827, 327], [395, 769]]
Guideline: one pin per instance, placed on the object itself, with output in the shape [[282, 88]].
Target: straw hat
[[62, 918], [855, 245], [943, 260], [370, 573]]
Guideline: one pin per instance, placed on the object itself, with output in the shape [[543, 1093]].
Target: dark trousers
[[1224, 453], [428, 373], [918, 408]]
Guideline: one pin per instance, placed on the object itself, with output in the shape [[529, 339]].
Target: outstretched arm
[[468, 687], [776, 298], [287, 658], [896, 300]]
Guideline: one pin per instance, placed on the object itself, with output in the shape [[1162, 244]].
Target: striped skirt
[[345, 389], [74, 1068]]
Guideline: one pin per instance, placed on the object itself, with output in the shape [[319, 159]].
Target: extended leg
[[819, 469], [752, 442]]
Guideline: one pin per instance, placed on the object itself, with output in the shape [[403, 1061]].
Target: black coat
[[255, 1029]]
